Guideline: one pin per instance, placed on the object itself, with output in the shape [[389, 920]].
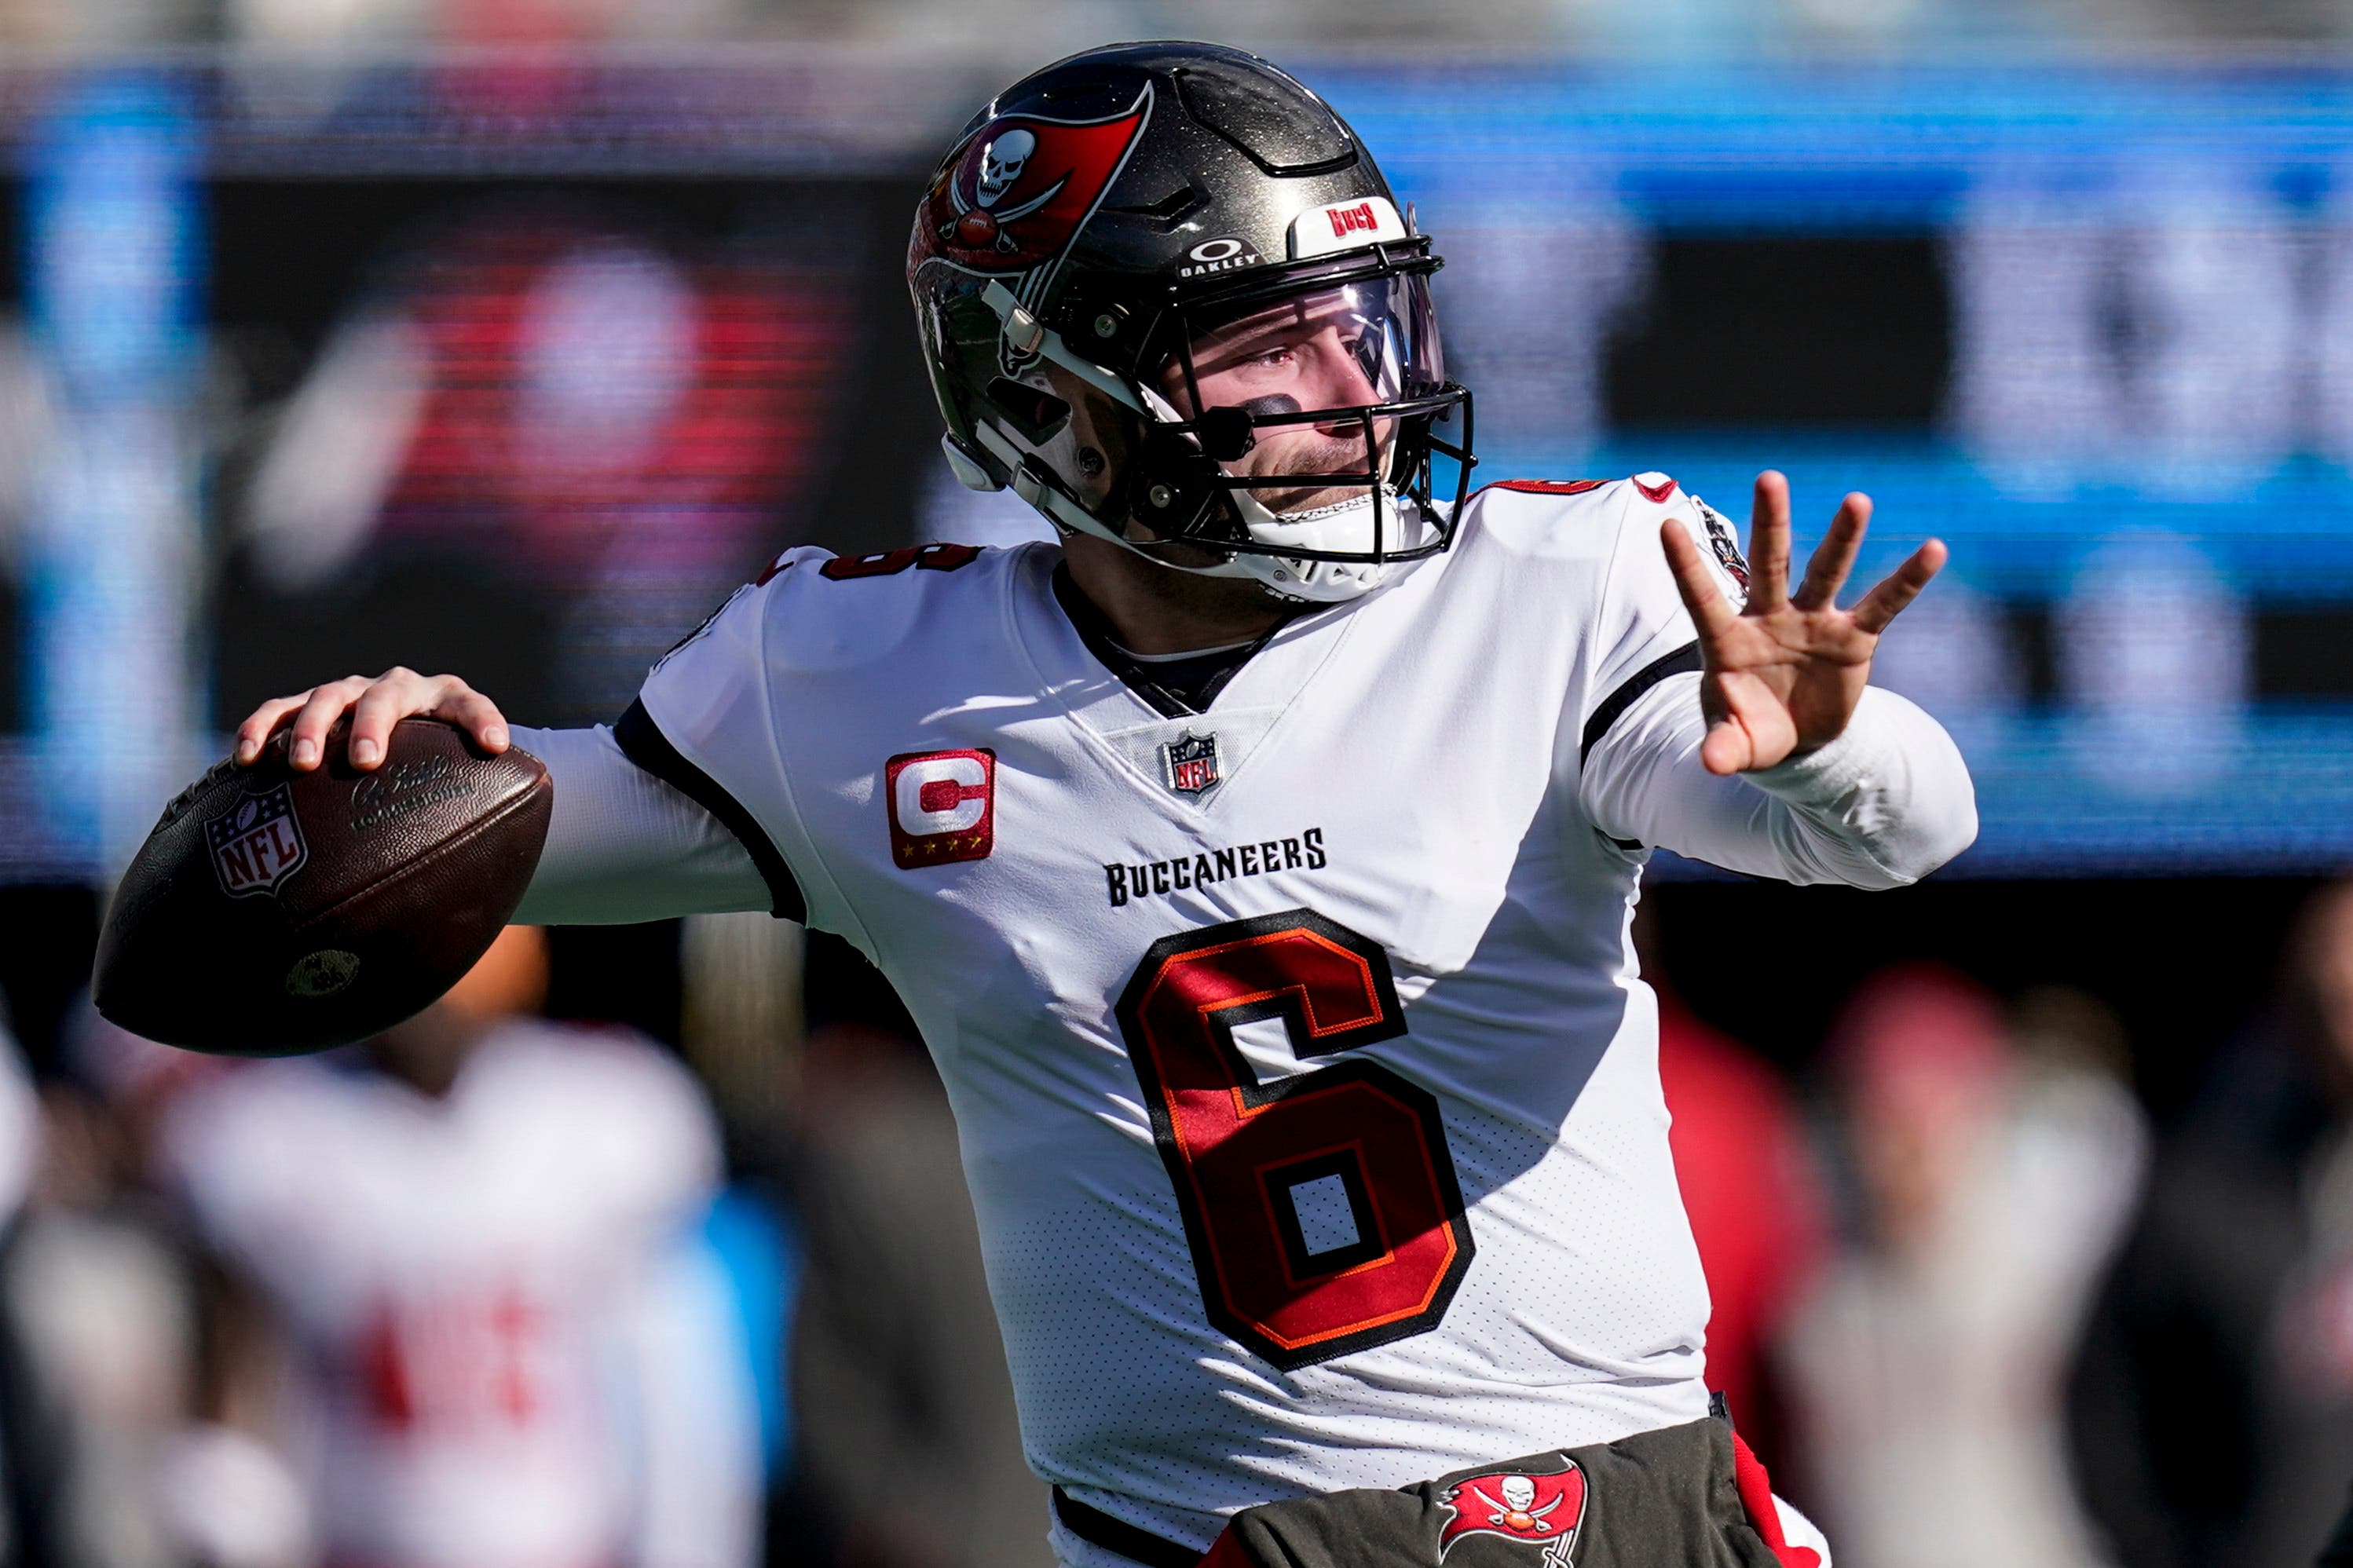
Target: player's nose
[[1344, 385]]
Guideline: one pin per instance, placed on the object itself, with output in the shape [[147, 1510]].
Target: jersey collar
[[1174, 688]]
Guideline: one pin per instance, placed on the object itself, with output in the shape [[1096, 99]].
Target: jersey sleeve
[[625, 845], [702, 723], [1643, 634], [1883, 806]]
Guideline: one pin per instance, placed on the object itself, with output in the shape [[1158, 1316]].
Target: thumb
[[1727, 748]]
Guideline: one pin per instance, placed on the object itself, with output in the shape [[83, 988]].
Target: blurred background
[[506, 336]]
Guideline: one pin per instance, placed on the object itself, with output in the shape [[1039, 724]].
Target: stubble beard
[[1314, 453]]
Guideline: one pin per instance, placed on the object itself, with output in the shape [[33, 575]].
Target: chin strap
[[1028, 336], [1045, 493]]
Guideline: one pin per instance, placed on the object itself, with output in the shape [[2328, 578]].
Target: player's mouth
[[1316, 455]]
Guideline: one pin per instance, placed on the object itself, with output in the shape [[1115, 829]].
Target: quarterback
[[1258, 860]]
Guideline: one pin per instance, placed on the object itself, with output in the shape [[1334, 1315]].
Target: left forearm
[[1883, 806]]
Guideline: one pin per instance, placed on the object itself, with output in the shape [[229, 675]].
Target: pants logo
[[1539, 1509]]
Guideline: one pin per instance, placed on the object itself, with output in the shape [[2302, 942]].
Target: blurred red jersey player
[[470, 1236], [1752, 1190]]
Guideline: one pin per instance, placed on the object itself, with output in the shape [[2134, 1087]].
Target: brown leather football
[[273, 912]]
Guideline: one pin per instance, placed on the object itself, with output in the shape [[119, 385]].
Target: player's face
[[1332, 350]]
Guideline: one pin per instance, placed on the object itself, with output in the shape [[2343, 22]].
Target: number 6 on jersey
[[1322, 1210]]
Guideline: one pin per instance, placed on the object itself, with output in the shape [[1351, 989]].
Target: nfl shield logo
[[1189, 763], [257, 844]]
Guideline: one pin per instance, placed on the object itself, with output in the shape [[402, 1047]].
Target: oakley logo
[[1220, 254]]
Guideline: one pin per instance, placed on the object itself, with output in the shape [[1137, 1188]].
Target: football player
[[470, 1239], [1258, 860]]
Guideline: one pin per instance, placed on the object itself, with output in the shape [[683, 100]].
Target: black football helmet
[[1164, 284]]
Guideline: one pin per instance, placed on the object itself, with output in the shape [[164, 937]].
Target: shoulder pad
[[938, 557], [1547, 486], [1660, 490], [1565, 518], [890, 562], [834, 612]]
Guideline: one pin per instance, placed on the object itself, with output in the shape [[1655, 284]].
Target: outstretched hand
[[1781, 676]]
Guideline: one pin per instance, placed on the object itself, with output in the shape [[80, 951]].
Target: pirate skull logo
[[1540, 1509], [1001, 163], [1018, 190], [1518, 1510]]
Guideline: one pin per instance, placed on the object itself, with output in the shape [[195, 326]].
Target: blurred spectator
[[100, 1311], [20, 1130], [1755, 1201], [1929, 1369], [2215, 1401], [467, 1256], [908, 1428], [740, 1024], [21, 1439]]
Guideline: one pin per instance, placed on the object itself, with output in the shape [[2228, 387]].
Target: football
[[273, 912]]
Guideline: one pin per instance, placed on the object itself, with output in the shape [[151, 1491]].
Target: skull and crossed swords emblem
[[1506, 1503], [1518, 1511], [982, 221]]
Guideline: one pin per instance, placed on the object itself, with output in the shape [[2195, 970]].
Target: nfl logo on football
[[259, 845], [1189, 763]]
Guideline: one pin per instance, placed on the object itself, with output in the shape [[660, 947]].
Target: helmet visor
[[1299, 396]]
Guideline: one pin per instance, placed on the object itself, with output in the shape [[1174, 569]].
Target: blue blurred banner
[[2093, 325], [115, 270], [1817, 147]]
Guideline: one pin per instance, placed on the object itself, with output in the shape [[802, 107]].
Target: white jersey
[[1308, 1095], [463, 1279], [20, 1128]]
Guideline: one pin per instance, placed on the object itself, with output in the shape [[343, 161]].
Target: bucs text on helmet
[[1164, 284]]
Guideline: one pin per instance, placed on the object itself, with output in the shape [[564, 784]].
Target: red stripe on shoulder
[[1548, 487], [1656, 493]]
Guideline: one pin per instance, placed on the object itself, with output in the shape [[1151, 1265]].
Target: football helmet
[[1166, 297]]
